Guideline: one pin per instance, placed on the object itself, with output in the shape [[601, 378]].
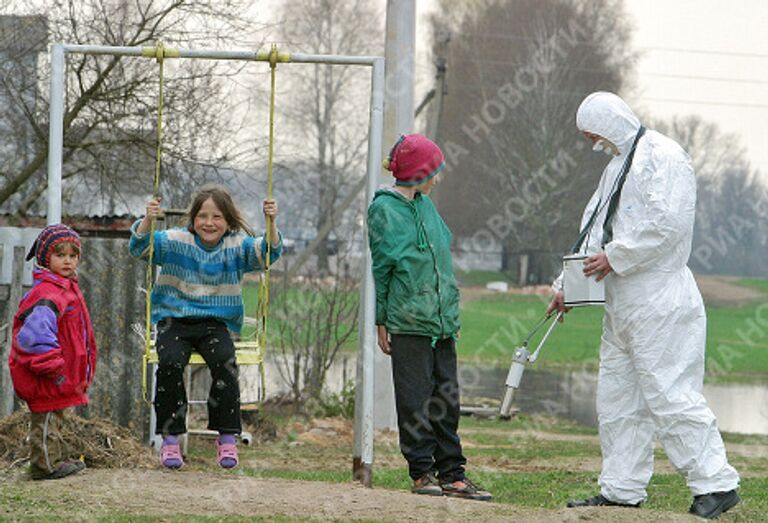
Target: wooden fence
[[113, 285]]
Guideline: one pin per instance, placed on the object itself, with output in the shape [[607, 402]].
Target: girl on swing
[[196, 301]]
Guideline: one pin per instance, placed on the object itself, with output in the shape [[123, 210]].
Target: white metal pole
[[398, 119], [362, 464], [364, 399], [55, 134]]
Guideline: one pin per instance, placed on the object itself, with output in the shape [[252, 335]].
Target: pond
[[739, 408]]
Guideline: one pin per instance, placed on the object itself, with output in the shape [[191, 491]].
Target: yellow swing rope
[[159, 53], [264, 285]]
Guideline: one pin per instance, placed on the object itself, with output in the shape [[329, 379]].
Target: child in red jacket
[[54, 351]]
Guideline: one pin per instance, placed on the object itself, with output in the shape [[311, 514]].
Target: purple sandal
[[226, 454], [170, 454]]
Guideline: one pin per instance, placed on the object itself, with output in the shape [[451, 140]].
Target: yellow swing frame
[[248, 352]]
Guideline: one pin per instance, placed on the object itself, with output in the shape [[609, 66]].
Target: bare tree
[[315, 316], [712, 151], [328, 103], [110, 113], [517, 71], [731, 231]]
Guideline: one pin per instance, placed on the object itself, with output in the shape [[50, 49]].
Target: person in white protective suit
[[654, 328]]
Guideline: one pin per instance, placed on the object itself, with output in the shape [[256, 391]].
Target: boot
[[713, 504]]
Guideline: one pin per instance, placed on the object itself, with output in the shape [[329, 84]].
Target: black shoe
[[598, 501], [62, 471], [713, 504], [464, 488]]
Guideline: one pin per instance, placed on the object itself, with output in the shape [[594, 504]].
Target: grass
[[493, 325], [754, 283], [549, 484], [524, 462], [525, 422], [294, 300], [481, 278]]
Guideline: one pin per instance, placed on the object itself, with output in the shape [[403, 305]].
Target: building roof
[[99, 226]]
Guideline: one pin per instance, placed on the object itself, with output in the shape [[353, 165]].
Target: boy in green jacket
[[417, 318]]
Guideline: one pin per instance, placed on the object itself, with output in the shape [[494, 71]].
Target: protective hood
[[607, 115]]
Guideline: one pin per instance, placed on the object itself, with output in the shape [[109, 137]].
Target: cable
[[705, 102], [709, 78], [600, 70], [705, 51], [504, 36], [470, 87]]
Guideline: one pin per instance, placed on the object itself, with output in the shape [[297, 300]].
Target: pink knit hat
[[414, 159]]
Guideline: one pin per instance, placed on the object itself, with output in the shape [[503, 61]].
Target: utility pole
[[399, 67], [440, 54], [435, 96], [399, 58]]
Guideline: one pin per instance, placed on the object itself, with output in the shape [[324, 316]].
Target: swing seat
[[246, 353]]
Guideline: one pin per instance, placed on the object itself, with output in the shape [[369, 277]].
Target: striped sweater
[[196, 281]]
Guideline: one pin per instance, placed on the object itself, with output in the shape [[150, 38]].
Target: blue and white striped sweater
[[199, 281]]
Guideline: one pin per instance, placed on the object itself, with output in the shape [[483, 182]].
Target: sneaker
[[599, 501], [427, 485], [226, 452], [713, 504], [170, 453], [465, 489], [62, 471]]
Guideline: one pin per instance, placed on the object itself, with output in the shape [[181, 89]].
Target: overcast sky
[[704, 57], [707, 57]]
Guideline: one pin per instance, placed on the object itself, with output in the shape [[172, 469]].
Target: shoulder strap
[[614, 202], [585, 231]]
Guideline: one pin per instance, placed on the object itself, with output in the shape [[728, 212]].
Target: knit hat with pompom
[[47, 240]]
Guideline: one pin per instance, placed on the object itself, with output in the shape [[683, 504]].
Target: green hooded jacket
[[416, 290]]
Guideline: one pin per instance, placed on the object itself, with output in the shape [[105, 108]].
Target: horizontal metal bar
[[218, 54], [170, 52], [332, 59]]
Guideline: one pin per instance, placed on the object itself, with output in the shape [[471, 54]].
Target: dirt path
[[201, 489], [164, 494], [723, 290]]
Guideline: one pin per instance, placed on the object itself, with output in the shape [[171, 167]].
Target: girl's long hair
[[223, 201]]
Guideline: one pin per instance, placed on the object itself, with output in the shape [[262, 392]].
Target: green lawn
[[281, 310], [481, 278], [493, 325]]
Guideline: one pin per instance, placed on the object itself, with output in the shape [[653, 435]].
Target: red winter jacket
[[54, 351]]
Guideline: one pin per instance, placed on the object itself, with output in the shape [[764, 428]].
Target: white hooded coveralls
[[654, 328]]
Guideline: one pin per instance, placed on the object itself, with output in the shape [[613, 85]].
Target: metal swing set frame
[[363, 442]]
